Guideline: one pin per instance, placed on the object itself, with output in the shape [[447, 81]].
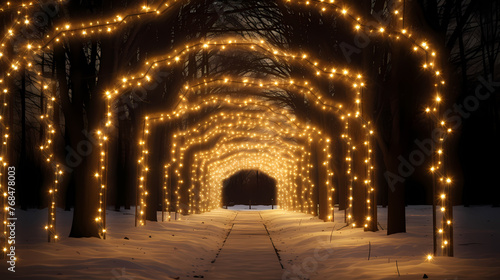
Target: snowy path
[[309, 249], [247, 253]]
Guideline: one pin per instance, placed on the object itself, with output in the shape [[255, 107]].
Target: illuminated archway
[[127, 82], [178, 161]]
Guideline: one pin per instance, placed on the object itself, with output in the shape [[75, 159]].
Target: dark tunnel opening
[[249, 187]]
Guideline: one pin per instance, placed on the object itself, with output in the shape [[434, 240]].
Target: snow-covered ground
[[307, 251], [308, 247], [163, 250]]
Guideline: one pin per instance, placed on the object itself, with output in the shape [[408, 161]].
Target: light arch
[[242, 115], [182, 109], [170, 165]]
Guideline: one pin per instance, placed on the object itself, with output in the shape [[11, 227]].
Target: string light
[[47, 150], [101, 177]]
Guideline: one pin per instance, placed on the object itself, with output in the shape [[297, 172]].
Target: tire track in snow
[[269, 235], [227, 235]]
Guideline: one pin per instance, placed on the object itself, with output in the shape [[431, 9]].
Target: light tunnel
[[177, 161], [244, 125], [351, 115], [246, 134], [191, 102]]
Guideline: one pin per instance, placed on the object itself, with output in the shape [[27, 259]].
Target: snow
[[477, 247], [247, 252], [163, 250], [308, 248], [254, 207]]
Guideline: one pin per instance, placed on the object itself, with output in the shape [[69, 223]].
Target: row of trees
[[465, 33]]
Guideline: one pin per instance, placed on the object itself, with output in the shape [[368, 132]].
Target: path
[[248, 253]]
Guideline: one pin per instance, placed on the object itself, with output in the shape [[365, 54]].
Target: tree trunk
[[396, 212]]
